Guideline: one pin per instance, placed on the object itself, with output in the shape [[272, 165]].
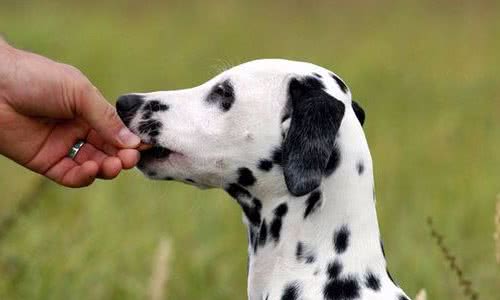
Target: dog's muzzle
[[127, 106]]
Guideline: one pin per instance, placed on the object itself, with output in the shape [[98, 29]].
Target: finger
[[93, 108], [89, 152], [129, 158], [68, 173], [95, 139], [110, 168]]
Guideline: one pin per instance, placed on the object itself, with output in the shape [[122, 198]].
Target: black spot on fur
[[155, 106], [222, 94], [276, 228], [236, 191], [304, 254], [245, 177], [279, 213], [265, 165], [341, 239], [147, 115], [341, 84], [281, 210], [149, 126], [252, 212], [252, 208], [359, 112], [277, 156], [263, 234], [189, 180], [291, 291], [372, 281], [317, 75], [312, 203], [152, 173], [334, 269], [360, 167], [168, 178], [257, 203], [342, 289], [300, 251], [403, 297], [333, 161]]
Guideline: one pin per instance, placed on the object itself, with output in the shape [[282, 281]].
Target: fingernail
[[128, 139]]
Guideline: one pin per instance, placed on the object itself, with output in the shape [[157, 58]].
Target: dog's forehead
[[275, 72], [276, 66]]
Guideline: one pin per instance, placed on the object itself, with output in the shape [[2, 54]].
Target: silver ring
[[75, 149]]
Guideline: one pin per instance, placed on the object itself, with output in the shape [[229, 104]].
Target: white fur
[[211, 145]]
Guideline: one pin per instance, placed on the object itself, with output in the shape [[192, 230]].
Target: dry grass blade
[[422, 295], [452, 260], [160, 272], [496, 235]]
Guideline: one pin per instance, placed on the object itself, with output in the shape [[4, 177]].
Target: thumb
[[103, 118]]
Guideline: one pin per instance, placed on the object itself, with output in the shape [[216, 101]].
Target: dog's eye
[[223, 94], [219, 90], [223, 91]]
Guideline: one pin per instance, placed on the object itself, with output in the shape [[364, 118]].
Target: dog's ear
[[310, 140], [360, 113]]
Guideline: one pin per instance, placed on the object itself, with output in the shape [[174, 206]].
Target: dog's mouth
[[154, 152]]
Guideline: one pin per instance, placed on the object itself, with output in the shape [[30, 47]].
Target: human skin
[[45, 107]]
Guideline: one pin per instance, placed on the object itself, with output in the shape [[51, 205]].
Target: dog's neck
[[296, 246]]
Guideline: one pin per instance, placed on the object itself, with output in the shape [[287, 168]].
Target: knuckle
[[72, 71], [77, 80], [109, 113], [84, 88]]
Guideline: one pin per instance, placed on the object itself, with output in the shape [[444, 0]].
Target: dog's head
[[273, 120]]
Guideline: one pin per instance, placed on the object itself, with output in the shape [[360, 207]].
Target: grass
[[426, 74]]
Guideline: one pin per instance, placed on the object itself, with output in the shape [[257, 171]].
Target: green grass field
[[427, 74]]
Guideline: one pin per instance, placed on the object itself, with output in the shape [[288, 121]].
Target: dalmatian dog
[[285, 140]]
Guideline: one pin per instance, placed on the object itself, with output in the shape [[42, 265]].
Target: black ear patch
[[340, 83], [310, 142], [360, 113]]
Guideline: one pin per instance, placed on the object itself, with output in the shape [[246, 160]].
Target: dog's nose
[[127, 105]]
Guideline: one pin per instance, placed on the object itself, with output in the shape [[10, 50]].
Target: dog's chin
[[155, 157], [152, 155], [155, 153]]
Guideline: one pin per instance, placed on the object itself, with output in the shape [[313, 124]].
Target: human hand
[[45, 107]]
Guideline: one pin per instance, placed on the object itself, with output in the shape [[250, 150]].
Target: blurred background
[[426, 73]]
